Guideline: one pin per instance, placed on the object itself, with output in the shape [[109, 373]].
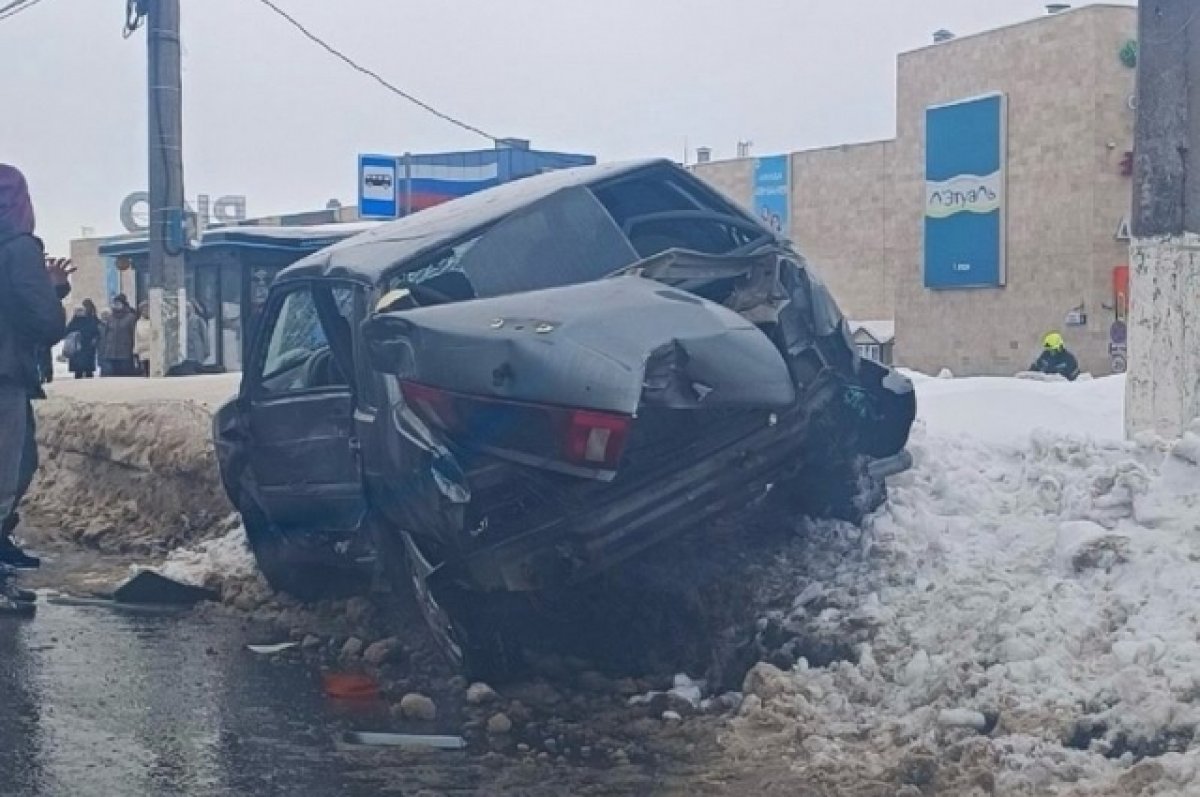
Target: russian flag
[[434, 183]]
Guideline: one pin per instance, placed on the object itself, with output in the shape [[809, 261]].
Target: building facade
[[227, 274], [870, 217]]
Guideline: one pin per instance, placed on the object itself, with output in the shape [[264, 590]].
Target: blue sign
[[112, 278], [773, 192], [964, 193], [378, 187]]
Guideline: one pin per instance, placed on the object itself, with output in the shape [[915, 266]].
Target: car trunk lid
[[583, 365]]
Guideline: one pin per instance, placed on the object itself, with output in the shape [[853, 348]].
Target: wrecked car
[[514, 392]]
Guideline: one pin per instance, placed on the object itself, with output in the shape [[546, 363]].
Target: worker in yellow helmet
[[1056, 359]]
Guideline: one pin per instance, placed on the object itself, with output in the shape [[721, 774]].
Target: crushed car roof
[[369, 256]]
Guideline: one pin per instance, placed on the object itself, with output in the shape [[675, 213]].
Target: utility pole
[[166, 281], [1163, 391]]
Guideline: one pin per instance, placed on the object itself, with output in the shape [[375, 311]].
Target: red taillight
[[595, 439], [436, 406]]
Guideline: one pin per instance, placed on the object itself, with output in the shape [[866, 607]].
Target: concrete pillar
[[1163, 391]]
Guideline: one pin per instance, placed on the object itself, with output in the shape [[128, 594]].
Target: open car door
[[303, 458]]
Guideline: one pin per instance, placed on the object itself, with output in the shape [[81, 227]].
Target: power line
[[12, 5], [14, 8], [375, 76]]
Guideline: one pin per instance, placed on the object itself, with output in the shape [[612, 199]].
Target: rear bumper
[[620, 523], [890, 466]]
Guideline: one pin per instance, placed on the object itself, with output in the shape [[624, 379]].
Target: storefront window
[[204, 293], [231, 315]]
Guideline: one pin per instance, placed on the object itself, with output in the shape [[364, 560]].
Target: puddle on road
[[98, 702]]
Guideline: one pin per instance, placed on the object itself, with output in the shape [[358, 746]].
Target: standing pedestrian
[[45, 360], [31, 318], [197, 326], [101, 365], [85, 326], [143, 339], [117, 349]]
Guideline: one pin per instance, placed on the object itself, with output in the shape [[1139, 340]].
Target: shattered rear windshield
[[564, 239]]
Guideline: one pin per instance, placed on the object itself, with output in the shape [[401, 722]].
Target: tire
[[475, 631], [487, 629], [284, 564]]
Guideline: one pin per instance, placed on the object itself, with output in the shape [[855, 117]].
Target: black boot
[[21, 595], [16, 602], [10, 554]]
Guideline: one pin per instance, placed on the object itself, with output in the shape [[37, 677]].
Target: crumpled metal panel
[[605, 345]]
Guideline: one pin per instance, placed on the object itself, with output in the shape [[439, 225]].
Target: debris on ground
[[479, 694], [352, 648], [406, 740], [268, 650], [151, 587], [381, 651], [415, 706], [499, 724], [349, 686]]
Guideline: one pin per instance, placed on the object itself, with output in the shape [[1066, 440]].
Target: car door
[[303, 452]]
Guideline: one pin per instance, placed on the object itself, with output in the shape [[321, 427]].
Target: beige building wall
[[733, 178], [843, 221], [842, 215], [1069, 123], [88, 282]]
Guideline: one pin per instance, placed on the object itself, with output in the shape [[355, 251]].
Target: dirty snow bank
[[128, 464], [213, 562], [1032, 598]]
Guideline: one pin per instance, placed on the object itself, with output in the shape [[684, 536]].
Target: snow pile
[[214, 562], [210, 390], [226, 564], [1008, 411], [1026, 607]]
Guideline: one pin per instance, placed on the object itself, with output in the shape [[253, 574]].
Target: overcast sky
[[269, 115]]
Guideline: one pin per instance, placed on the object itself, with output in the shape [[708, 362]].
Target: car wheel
[[477, 633], [487, 631], [285, 568]]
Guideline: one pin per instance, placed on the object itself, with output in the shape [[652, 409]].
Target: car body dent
[[600, 345]]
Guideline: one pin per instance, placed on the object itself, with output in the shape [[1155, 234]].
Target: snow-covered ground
[[1032, 591], [210, 391], [1033, 587]]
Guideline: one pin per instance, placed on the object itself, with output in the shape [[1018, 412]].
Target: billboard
[[773, 192], [965, 144]]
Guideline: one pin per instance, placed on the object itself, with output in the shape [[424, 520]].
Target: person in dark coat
[[31, 318], [86, 327], [1055, 358], [45, 357], [116, 350]]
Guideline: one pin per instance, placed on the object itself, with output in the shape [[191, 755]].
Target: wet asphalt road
[[96, 702]]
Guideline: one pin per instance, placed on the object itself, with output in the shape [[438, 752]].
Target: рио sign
[[135, 210]]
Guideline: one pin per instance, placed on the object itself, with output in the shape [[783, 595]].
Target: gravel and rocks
[[416, 706]]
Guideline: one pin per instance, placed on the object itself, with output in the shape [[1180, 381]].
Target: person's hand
[[60, 270]]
